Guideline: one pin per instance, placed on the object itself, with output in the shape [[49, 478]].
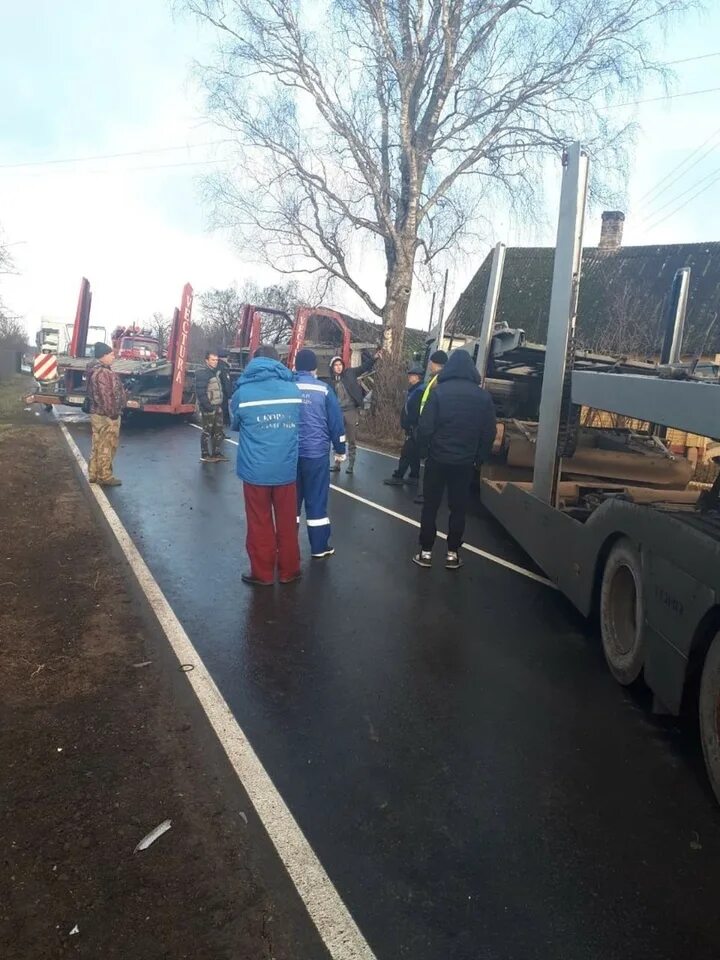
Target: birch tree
[[388, 126]]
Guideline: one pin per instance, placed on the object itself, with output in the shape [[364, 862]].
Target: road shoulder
[[100, 742]]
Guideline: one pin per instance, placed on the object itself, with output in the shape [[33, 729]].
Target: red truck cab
[[133, 343]]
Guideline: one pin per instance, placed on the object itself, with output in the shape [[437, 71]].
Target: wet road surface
[[472, 779]]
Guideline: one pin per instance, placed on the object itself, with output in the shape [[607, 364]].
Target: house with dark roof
[[624, 293]]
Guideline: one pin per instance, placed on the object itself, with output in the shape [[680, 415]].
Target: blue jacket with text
[[265, 408], [321, 419]]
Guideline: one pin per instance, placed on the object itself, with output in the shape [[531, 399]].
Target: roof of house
[[366, 331], [623, 293]]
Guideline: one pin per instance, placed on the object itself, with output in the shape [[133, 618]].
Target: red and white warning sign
[[45, 367]]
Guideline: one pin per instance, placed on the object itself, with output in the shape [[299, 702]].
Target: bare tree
[[391, 124], [220, 313], [12, 333], [160, 327], [221, 309]]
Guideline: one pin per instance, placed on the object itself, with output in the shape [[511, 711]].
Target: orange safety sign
[[45, 366]]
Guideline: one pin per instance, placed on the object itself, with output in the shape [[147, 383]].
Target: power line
[[676, 169], [683, 194], [702, 56], [110, 156], [125, 170], [654, 226], [667, 96], [212, 143]]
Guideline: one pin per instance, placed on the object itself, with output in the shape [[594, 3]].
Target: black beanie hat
[[101, 350], [306, 360], [439, 357]]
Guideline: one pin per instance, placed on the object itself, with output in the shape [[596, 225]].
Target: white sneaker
[[326, 553], [423, 559]]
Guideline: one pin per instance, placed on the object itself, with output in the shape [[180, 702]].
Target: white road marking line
[[466, 546], [380, 453], [522, 571], [327, 911], [197, 426]]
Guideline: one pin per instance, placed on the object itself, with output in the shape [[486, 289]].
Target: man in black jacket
[[456, 432], [344, 383]]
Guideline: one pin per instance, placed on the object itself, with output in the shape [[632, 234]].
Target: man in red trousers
[[265, 408]]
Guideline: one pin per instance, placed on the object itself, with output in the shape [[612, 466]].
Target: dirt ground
[[96, 749]]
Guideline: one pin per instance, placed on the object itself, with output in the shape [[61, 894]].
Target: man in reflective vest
[[435, 368]]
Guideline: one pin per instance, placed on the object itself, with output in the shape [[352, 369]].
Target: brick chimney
[[611, 231]]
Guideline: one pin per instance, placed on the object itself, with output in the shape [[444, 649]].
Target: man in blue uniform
[[265, 408], [321, 424], [410, 455]]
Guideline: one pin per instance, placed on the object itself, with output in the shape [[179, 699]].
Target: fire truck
[[153, 383], [135, 343]]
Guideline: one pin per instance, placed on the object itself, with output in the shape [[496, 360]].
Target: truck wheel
[[621, 613], [709, 709]]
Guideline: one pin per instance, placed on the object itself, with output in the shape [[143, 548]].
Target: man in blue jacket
[[410, 454], [265, 408], [321, 424]]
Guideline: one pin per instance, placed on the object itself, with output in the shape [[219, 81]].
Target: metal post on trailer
[[561, 322], [173, 338], [180, 348], [491, 304], [675, 317], [674, 330], [78, 344]]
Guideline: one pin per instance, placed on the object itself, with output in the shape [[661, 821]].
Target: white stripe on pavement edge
[[522, 571], [333, 921]]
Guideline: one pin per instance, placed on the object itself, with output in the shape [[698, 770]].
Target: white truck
[[58, 335]]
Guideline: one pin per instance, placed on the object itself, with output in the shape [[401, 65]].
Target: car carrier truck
[[639, 550]]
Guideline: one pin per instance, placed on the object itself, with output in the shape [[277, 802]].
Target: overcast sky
[[94, 77]]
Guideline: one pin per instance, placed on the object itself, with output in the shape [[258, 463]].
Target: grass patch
[[12, 397]]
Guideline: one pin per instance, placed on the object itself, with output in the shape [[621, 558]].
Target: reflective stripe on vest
[[426, 392]]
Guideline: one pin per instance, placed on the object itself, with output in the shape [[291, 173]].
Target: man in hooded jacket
[[456, 433], [344, 384], [265, 408]]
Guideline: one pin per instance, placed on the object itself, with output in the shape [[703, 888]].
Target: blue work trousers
[[313, 487]]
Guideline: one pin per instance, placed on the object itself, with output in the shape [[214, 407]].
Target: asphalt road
[[472, 779]]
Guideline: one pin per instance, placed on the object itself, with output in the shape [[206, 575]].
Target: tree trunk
[[399, 287]]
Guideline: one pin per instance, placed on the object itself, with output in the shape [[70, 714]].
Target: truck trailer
[[640, 549], [153, 383]]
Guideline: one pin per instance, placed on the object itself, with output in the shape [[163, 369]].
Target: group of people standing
[[288, 423]]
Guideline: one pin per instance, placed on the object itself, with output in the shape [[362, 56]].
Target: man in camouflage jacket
[[107, 400]]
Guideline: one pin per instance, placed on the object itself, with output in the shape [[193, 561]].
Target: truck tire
[[622, 611], [709, 709]]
